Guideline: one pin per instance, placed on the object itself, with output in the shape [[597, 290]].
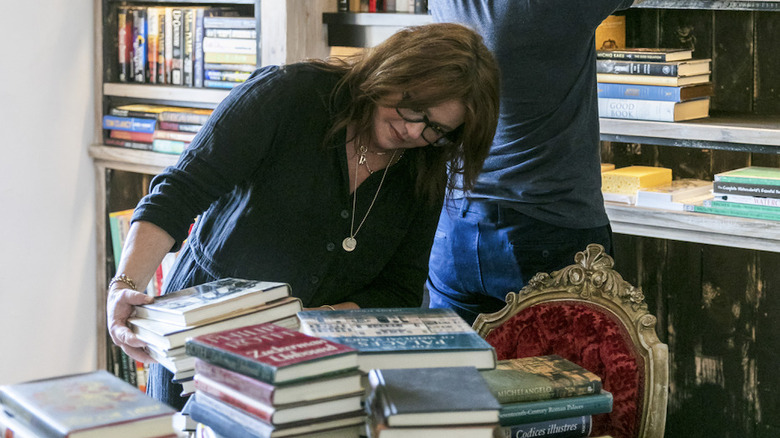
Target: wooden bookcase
[[288, 31], [711, 280]]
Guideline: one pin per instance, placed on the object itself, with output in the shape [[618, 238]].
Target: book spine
[[152, 43], [188, 46], [139, 45], [183, 117], [636, 91], [420, 6], [749, 200], [545, 410], [635, 109], [128, 123], [637, 56], [128, 144], [637, 79], [197, 64], [143, 137], [231, 33], [226, 420], [173, 135], [219, 84], [168, 45], [747, 180], [28, 416], [234, 76], [125, 42], [182, 127], [636, 68], [169, 146], [732, 212], [730, 188], [229, 45], [574, 427], [246, 68], [231, 361], [235, 399], [229, 22], [230, 58], [256, 389], [342, 5], [177, 52], [768, 209]]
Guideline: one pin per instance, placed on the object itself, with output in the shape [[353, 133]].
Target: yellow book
[[611, 33], [628, 180], [607, 166]]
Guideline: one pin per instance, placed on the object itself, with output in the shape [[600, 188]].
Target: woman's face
[[396, 128]]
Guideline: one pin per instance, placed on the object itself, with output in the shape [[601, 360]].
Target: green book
[[545, 410], [539, 378], [733, 209], [751, 175]]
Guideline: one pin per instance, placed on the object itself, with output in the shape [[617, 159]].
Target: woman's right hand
[[120, 305]]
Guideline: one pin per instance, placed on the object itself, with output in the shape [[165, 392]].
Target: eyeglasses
[[433, 134]]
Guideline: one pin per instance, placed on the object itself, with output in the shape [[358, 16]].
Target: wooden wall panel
[[767, 61], [732, 62]]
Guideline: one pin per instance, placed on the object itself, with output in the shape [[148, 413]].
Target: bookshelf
[[289, 30]]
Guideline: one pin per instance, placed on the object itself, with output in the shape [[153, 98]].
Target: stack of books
[[95, 404], [441, 402], [750, 192], [546, 396], [402, 337], [622, 185], [229, 50], [268, 381], [227, 303], [158, 128], [664, 85], [410, 6]]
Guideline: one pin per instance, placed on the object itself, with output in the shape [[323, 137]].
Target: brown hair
[[433, 63]]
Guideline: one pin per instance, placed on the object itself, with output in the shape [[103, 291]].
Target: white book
[[655, 110], [229, 45], [749, 200], [673, 196]]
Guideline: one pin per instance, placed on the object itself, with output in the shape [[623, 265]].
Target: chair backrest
[[588, 314]]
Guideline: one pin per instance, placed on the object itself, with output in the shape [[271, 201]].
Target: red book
[[143, 137], [296, 392], [272, 354]]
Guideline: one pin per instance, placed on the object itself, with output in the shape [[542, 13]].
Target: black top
[[275, 202]]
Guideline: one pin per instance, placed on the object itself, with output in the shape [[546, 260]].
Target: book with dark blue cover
[[654, 92], [402, 337], [571, 427], [133, 124]]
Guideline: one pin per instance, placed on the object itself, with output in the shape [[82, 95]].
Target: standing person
[[538, 198], [329, 176]]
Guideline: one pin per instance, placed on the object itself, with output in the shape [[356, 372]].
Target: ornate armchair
[[588, 314]]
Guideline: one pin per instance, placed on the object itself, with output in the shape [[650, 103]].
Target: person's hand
[[120, 305]]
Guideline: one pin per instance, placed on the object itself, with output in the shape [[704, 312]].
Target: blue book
[[544, 410], [572, 427], [133, 124], [402, 337], [654, 92]]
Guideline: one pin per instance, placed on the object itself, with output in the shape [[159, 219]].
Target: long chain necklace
[[349, 243]]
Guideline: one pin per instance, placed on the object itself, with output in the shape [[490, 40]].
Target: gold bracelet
[[122, 278], [328, 307]]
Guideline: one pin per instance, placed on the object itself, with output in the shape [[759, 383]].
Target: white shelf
[[162, 92], [131, 160], [702, 228]]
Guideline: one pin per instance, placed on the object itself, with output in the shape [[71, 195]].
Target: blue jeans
[[483, 250]]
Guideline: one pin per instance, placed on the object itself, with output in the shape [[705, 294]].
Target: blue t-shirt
[[545, 158]]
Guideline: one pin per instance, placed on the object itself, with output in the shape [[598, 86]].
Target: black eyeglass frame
[[445, 138]]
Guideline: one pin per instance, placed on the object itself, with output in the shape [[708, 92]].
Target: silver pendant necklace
[[350, 243]]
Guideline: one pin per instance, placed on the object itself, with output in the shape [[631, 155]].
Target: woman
[[326, 176]]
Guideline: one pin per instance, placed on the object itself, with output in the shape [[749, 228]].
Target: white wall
[[47, 235]]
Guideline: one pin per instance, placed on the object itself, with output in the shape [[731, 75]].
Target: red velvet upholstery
[[591, 337]]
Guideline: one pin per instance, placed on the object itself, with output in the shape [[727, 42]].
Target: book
[[573, 427], [226, 22], [164, 134], [620, 198], [745, 189], [675, 68], [611, 33], [377, 429], [402, 337], [646, 54], [208, 83], [272, 354], [212, 301], [656, 110], [197, 55], [11, 427], [181, 127], [128, 144], [229, 421], [153, 15], [553, 409], [140, 47], [231, 33], [188, 46], [431, 396], [166, 146], [124, 42], [135, 124], [539, 378], [86, 405], [655, 92], [142, 137], [674, 81], [279, 414], [296, 392], [734, 210], [168, 336], [229, 45], [671, 196], [751, 175], [630, 179], [229, 58], [750, 200]]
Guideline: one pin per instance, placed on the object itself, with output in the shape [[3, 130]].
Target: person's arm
[[144, 249]]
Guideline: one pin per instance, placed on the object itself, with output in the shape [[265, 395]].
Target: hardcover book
[[676, 68], [674, 81], [431, 396], [229, 421], [402, 337], [734, 210], [746, 189], [168, 336], [655, 92], [672, 196], [539, 378], [377, 429], [646, 54], [272, 395], [135, 124], [279, 414], [212, 301], [655, 110], [272, 354], [552, 409], [750, 200], [751, 175], [95, 404], [573, 427]]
